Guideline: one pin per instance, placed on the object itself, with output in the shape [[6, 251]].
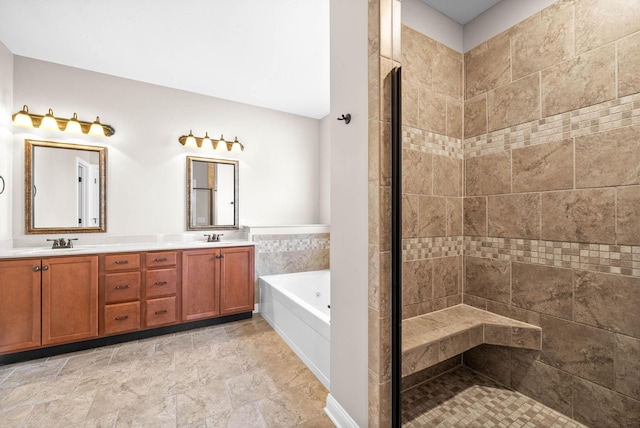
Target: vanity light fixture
[[207, 142], [25, 119]]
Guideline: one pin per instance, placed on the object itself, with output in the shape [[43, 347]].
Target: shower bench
[[434, 337]]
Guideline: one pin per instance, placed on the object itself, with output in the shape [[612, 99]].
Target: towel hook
[[346, 118], [3, 185]]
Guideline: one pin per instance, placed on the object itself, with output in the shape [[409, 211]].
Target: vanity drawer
[[161, 311], [120, 287], [115, 262], [121, 317], [165, 258], [161, 282]]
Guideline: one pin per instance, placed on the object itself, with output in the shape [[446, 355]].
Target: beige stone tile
[[294, 406], [386, 65], [492, 361], [526, 338], [410, 216], [432, 216], [385, 154], [608, 301], [410, 104], [196, 404], [579, 216], [513, 312], [373, 227], [374, 149], [417, 172], [374, 86], [454, 216], [543, 167], [610, 158], [596, 406], [447, 176], [15, 416], [579, 82], [430, 372], [432, 111], [248, 415], [627, 365], [385, 284], [544, 289], [475, 116], [419, 358], [454, 118], [488, 174], [474, 301], [385, 219], [250, 387], [417, 58], [628, 65], [602, 21], [447, 272], [417, 281], [385, 30], [514, 103], [454, 345], [628, 207], [447, 74], [488, 278], [578, 349], [542, 40], [475, 216], [514, 216], [546, 384], [488, 66], [497, 334]]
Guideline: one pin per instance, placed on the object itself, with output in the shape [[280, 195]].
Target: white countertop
[[22, 252]]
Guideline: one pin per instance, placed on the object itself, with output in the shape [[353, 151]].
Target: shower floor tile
[[463, 398]]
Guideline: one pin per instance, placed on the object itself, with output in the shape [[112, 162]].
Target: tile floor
[[462, 398], [239, 374]]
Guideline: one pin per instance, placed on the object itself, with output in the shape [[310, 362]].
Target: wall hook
[[3, 185], [346, 118]]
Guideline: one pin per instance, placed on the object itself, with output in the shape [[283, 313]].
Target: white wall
[[325, 169], [6, 147], [349, 208], [146, 166], [431, 23]]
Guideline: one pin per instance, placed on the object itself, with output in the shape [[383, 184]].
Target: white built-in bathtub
[[297, 307]]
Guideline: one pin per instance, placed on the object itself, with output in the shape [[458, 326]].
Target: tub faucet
[[214, 237]]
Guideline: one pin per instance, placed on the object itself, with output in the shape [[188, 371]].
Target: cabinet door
[[236, 280], [200, 284], [19, 305], [69, 299]]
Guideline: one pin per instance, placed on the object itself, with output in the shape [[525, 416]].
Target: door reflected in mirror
[[212, 193], [65, 187]]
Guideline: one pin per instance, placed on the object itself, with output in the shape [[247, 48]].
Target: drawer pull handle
[[160, 259], [161, 283], [220, 257], [122, 262], [122, 287], [162, 312], [124, 318]]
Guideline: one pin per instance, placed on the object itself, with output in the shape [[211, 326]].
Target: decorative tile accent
[[431, 248], [618, 259], [285, 243], [608, 115], [430, 142]]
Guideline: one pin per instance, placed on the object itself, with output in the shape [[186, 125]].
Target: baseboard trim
[[338, 415]]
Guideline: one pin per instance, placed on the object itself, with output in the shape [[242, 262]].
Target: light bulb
[[73, 125], [96, 128], [49, 122], [22, 118], [236, 146], [206, 141], [190, 141], [222, 144]]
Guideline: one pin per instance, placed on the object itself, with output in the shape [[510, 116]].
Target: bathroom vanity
[[120, 292]]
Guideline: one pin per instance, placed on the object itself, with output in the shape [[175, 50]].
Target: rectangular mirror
[[212, 193], [65, 188]]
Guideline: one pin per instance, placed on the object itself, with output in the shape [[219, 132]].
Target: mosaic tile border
[[432, 248], [429, 142], [616, 259], [322, 242], [605, 116]]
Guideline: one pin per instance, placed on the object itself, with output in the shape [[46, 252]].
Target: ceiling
[[461, 11], [269, 53]]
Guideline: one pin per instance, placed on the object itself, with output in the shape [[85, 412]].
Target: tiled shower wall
[[432, 95], [552, 204]]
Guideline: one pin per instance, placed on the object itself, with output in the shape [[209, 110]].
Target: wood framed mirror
[[212, 194], [65, 188]]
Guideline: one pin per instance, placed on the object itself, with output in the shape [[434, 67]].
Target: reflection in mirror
[[64, 187], [212, 193]]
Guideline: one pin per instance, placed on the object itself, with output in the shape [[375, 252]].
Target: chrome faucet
[[62, 243], [214, 237]]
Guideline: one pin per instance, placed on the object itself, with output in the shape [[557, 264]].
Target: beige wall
[[552, 196]]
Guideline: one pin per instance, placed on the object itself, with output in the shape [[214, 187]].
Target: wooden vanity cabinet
[[19, 305], [217, 282], [161, 288], [121, 289]]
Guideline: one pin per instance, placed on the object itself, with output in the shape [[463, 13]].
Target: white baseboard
[[256, 308], [338, 415]]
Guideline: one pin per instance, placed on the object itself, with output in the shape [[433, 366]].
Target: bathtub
[[296, 305]]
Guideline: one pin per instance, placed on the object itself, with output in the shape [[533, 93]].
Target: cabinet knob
[[36, 269], [45, 267]]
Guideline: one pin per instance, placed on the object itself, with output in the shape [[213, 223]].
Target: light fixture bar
[[26, 119], [207, 142]]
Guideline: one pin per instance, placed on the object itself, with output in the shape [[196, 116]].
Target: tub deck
[[434, 337]]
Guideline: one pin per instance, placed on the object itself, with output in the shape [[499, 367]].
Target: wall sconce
[[25, 119], [208, 142]]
